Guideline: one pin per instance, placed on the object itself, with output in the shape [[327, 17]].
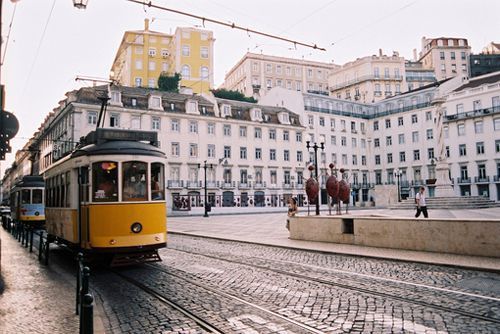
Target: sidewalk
[[269, 229]]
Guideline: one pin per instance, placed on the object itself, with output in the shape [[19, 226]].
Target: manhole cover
[[481, 284]]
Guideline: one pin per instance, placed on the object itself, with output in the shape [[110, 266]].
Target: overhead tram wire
[[230, 25], [8, 35]]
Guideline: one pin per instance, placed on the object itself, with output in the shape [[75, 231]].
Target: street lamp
[[315, 148], [397, 175], [205, 166], [80, 4]]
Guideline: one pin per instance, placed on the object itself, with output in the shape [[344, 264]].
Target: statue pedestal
[[443, 183]]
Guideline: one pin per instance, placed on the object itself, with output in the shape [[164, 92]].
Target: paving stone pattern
[[36, 298]]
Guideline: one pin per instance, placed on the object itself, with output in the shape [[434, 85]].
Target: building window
[[464, 174], [258, 154], [400, 121], [461, 129], [114, 120], [429, 134], [377, 159], [211, 151], [193, 127], [322, 121], [186, 72], [343, 141], [204, 73], [272, 154], [186, 50], [387, 123], [227, 130], [286, 135], [138, 64], [462, 55], [193, 150], [414, 119], [401, 138], [243, 153], [272, 134], [363, 160], [138, 82], [286, 155], [155, 123], [389, 158], [430, 153], [174, 125], [243, 131], [204, 52], [299, 156], [227, 152], [92, 117], [354, 142], [376, 142], [478, 126], [497, 146], [402, 156], [333, 140], [258, 133], [441, 55], [496, 124], [414, 136], [480, 147], [211, 128], [388, 140], [175, 149], [416, 155], [375, 126], [462, 150], [298, 137], [447, 148]]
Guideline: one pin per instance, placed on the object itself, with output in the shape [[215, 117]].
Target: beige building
[[144, 54], [369, 79], [257, 73], [448, 56]]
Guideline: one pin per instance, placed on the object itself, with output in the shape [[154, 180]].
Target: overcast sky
[[51, 42]]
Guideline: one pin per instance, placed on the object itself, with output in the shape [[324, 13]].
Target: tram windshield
[[25, 196], [134, 181], [105, 181], [37, 196], [157, 182]]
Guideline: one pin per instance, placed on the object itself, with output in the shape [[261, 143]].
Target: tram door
[[82, 206]]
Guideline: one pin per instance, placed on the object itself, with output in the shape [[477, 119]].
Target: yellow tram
[[108, 196]]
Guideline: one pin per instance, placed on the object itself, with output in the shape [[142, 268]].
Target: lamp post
[[315, 148], [205, 166], [397, 174], [80, 4]]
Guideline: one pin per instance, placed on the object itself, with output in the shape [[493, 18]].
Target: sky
[[51, 42]]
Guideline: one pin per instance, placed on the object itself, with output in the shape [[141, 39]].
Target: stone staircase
[[469, 202]]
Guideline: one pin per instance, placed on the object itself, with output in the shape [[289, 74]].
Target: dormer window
[[172, 106], [134, 102], [116, 98], [226, 110], [256, 114], [203, 110], [192, 107], [284, 118], [155, 102]]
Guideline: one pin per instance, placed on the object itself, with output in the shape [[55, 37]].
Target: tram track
[[206, 325], [367, 291]]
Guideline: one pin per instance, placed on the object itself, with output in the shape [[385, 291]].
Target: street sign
[[9, 125]]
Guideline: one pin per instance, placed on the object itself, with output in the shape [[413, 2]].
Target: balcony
[[287, 185], [259, 185], [414, 183], [213, 184], [463, 180], [484, 179], [194, 184], [175, 184], [228, 185], [496, 178], [367, 185], [473, 113], [244, 185], [299, 186]]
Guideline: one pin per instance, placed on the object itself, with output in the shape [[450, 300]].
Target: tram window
[[62, 185], [134, 181], [67, 203], [105, 181], [157, 182], [25, 196], [37, 196]]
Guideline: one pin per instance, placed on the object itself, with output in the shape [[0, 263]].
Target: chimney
[[380, 52], [414, 54], [146, 24]]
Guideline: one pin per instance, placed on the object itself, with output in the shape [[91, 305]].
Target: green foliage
[[169, 83], [232, 95]]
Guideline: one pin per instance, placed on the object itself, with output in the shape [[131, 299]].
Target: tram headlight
[[37, 213], [136, 227]]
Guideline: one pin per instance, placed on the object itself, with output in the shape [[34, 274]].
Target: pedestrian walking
[[292, 210], [420, 199]]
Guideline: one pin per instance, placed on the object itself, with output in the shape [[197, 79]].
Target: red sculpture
[[312, 188]]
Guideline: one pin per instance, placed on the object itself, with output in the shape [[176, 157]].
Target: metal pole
[[205, 168], [399, 189], [317, 176]]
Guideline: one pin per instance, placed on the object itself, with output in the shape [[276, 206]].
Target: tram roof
[[31, 181], [120, 148]]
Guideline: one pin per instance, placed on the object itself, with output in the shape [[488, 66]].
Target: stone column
[[444, 187]]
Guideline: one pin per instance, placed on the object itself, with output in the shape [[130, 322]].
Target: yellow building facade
[[144, 54]]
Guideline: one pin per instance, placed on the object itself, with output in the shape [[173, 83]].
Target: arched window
[[204, 73], [186, 72]]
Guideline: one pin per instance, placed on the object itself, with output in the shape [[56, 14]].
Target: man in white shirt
[[421, 203]]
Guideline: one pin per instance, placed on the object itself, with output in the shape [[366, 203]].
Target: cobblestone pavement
[[36, 299], [330, 293]]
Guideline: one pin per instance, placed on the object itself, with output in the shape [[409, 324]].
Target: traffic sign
[[9, 125]]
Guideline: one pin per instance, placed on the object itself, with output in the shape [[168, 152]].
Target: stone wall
[[477, 237]]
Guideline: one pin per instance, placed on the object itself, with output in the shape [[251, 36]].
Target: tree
[[232, 95], [169, 83]]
